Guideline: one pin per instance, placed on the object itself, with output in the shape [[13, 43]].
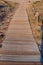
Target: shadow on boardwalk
[[42, 46]]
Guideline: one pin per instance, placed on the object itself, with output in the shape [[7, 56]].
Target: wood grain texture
[[20, 63]]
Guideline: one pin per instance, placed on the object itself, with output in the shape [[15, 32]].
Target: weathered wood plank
[[21, 63]]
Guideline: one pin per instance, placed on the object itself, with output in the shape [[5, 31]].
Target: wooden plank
[[20, 58], [21, 63]]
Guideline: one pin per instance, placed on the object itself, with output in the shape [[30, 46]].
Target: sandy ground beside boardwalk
[[7, 10]]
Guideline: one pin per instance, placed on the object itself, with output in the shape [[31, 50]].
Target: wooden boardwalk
[[19, 39]]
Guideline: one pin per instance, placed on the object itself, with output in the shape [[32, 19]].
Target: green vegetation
[[36, 2], [41, 18], [11, 4]]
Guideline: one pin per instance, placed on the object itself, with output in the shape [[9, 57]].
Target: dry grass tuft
[[32, 9], [7, 9]]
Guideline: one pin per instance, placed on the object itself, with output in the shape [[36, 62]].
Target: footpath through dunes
[[19, 39], [19, 36]]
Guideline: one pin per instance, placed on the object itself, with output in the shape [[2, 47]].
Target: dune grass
[[34, 23], [7, 9]]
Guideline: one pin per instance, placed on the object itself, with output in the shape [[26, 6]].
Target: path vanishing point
[[19, 44]]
